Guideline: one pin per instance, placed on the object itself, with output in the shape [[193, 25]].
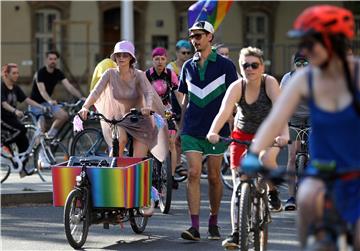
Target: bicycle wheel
[[76, 219], [165, 188], [29, 167], [5, 164], [244, 216], [301, 163], [177, 176], [261, 224], [138, 221], [226, 175], [89, 142], [44, 159]]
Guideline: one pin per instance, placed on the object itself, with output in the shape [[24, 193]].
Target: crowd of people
[[209, 99]]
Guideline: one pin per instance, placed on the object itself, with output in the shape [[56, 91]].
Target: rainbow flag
[[212, 11]]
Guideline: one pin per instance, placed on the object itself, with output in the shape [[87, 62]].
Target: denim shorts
[[38, 111]]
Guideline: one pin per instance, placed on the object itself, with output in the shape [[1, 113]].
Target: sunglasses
[[299, 64], [197, 36], [186, 52], [252, 65]]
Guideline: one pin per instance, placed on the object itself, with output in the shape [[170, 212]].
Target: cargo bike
[[102, 190]]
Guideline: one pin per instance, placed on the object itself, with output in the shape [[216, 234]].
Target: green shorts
[[192, 144]]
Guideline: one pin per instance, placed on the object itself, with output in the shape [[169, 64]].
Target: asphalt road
[[41, 228]]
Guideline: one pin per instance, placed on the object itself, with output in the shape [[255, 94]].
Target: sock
[[213, 220], [52, 132], [195, 221]]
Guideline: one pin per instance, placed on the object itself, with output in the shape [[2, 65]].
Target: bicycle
[[12, 160], [302, 155], [253, 212], [91, 142], [336, 234]]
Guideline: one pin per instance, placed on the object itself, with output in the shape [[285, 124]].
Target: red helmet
[[324, 19]]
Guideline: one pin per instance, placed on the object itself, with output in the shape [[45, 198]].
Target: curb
[[16, 199]]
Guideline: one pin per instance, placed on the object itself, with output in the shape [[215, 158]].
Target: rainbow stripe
[[126, 186], [63, 180], [213, 11]]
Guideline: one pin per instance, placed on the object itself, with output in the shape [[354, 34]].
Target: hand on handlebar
[[213, 138], [251, 163], [281, 141], [83, 113], [146, 111]]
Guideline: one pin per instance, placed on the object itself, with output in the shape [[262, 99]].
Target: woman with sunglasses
[[121, 89], [299, 118], [253, 95], [332, 86]]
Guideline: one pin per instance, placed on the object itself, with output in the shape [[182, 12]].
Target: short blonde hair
[[251, 51]]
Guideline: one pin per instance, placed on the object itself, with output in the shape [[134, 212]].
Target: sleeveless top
[[250, 116], [335, 136]]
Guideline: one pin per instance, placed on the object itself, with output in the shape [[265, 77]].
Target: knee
[[194, 174], [214, 178]]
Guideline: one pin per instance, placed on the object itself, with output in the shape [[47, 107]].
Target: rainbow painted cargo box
[[127, 185]]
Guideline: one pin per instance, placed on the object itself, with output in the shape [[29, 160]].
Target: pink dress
[[115, 97]]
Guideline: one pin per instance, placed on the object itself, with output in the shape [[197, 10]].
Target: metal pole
[[127, 20]]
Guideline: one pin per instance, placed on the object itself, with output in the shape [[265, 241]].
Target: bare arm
[[43, 92], [183, 104], [31, 102], [280, 113], [227, 107], [70, 88]]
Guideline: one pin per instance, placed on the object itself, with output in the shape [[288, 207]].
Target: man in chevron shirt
[[203, 82]]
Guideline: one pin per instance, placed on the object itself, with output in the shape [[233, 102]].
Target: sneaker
[[192, 234], [213, 233], [180, 170], [42, 162], [150, 210], [290, 204], [274, 201], [232, 242], [175, 184]]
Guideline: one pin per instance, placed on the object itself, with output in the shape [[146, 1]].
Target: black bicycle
[[302, 155]]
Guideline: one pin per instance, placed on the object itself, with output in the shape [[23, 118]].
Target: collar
[[212, 56]]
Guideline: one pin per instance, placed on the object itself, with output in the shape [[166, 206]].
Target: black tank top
[[250, 116]]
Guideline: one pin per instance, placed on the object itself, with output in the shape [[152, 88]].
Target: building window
[[44, 33], [257, 31], [183, 25]]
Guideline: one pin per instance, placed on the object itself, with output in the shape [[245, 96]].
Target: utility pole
[[127, 20]]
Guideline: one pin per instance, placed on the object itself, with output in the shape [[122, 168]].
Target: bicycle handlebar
[[133, 112]]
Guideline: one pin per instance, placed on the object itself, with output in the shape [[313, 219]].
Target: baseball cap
[[123, 46], [202, 25], [299, 57]]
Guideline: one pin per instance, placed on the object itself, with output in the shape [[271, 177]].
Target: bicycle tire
[[165, 189], [177, 176], [137, 226], [29, 168], [89, 142], [301, 163], [244, 215], [261, 225], [226, 175], [74, 217], [5, 166]]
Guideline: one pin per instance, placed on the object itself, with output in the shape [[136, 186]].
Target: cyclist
[[100, 68], [332, 86], [203, 81], [254, 96], [300, 117], [183, 53], [11, 93], [120, 89], [165, 83]]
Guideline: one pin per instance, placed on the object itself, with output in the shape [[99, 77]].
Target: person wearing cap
[[165, 83], [298, 119], [331, 84], [121, 89], [183, 53], [203, 83], [100, 68]]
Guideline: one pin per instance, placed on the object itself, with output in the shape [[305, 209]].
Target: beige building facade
[[85, 32]]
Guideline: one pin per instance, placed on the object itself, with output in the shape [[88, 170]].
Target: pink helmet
[[123, 46]]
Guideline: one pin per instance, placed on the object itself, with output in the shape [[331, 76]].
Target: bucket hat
[[123, 46]]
